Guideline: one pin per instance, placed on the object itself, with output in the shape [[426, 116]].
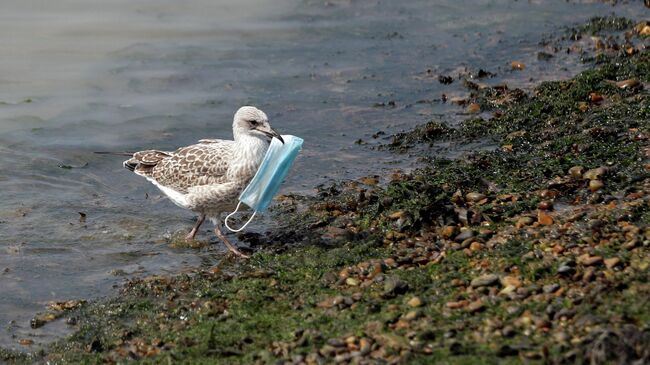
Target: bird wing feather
[[198, 164]]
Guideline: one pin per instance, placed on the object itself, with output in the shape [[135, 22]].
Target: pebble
[[544, 219], [475, 306], [327, 350], [508, 331], [612, 262], [511, 281], [464, 235], [473, 108], [508, 290], [485, 280], [525, 221], [595, 185], [516, 65], [629, 245], [551, 288], [475, 246], [628, 84], [589, 274], [352, 282], [449, 231], [458, 304], [576, 172], [412, 315], [457, 282], [594, 174], [474, 197], [595, 98], [394, 286], [645, 31], [589, 260], [514, 310], [415, 302], [397, 215], [565, 270]]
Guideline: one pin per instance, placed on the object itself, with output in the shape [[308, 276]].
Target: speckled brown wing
[[199, 164], [143, 162]]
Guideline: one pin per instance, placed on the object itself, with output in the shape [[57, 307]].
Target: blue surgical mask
[[272, 171]]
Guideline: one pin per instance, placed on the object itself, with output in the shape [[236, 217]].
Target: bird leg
[[229, 245], [190, 236]]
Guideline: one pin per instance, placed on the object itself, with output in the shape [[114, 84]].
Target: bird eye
[[253, 122]]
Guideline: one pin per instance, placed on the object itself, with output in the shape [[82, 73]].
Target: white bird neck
[[248, 154]]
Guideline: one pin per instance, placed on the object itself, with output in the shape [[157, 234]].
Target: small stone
[[589, 260], [475, 306], [511, 281], [485, 280], [394, 286], [565, 270], [397, 215], [576, 172], [630, 245], [589, 274], [365, 346], [544, 219], [449, 231], [339, 299], [551, 288], [645, 30], [415, 302], [628, 84], [473, 108], [595, 98], [466, 234], [508, 290], [458, 304], [612, 262], [516, 65], [508, 331], [369, 180], [514, 310], [583, 106], [352, 282], [525, 221], [595, 185], [457, 282], [25, 341], [474, 197], [475, 246], [594, 174], [412, 315], [327, 351]]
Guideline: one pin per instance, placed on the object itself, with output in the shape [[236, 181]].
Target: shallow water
[[82, 76]]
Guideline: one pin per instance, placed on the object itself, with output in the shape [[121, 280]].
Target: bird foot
[[190, 236], [229, 245], [233, 250]]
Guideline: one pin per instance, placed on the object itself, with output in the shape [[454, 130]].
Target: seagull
[[208, 177]]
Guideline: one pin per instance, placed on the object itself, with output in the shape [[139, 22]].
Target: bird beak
[[271, 133]]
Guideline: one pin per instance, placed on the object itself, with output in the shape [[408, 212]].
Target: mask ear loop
[[225, 222]]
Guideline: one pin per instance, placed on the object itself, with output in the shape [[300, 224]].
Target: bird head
[[251, 121]]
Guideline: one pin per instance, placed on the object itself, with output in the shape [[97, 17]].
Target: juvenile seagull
[[208, 177]]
